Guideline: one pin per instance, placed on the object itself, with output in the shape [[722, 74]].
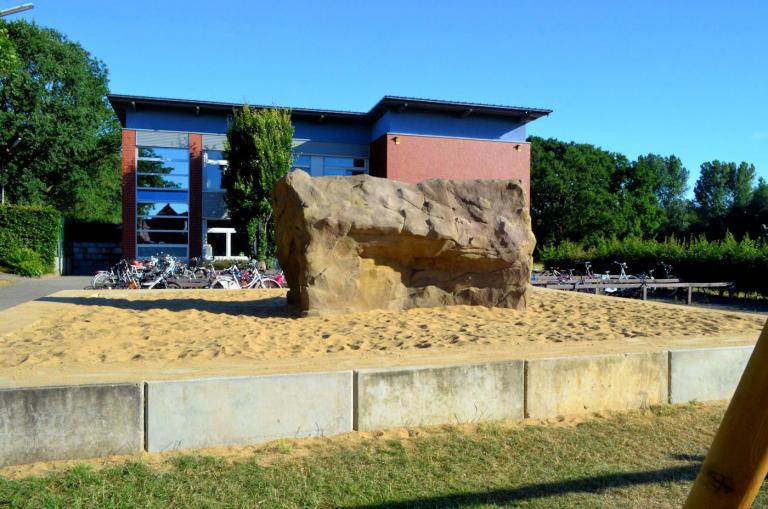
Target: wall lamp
[[396, 139]]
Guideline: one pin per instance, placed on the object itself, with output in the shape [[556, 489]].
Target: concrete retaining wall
[[246, 410], [388, 398], [77, 422], [706, 374], [580, 385], [70, 422]]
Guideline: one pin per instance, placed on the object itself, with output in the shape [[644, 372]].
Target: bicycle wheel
[[103, 282], [268, 283]]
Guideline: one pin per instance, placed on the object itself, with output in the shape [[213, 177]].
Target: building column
[[128, 173], [195, 194]]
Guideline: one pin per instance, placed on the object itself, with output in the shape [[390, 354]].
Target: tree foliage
[[584, 194], [722, 186], [573, 191], [8, 58], [59, 139], [259, 152]]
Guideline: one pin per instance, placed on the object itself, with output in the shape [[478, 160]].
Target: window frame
[[185, 190], [154, 174]]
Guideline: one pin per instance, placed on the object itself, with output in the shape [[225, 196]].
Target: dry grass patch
[[640, 459]]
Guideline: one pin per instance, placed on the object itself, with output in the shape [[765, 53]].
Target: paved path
[[26, 289]]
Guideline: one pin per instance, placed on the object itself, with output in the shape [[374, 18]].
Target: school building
[[172, 157]]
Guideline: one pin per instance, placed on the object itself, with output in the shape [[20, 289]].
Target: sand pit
[[77, 337]]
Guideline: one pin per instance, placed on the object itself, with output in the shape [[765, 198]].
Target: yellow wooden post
[[737, 462]]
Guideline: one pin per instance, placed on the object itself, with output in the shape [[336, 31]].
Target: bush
[[33, 227], [697, 259], [25, 262]]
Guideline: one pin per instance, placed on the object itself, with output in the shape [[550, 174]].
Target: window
[[162, 201], [162, 168], [213, 163], [344, 166]]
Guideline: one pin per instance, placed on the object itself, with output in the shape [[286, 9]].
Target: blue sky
[[669, 77]]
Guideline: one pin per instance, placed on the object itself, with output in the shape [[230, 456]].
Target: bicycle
[[623, 278], [252, 278]]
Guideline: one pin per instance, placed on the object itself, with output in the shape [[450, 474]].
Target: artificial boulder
[[358, 243]]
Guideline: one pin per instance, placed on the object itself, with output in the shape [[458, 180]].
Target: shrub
[[25, 262], [30, 226]]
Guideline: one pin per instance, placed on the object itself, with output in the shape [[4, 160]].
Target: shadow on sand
[[272, 307], [505, 497]]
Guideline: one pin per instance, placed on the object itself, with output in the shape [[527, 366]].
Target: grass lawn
[[640, 459]]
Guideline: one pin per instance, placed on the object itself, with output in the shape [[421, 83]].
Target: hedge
[[32, 227], [744, 262]]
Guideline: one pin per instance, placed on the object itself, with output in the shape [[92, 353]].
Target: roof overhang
[[461, 109], [124, 103]]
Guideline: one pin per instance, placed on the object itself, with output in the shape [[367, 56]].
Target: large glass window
[[162, 201], [214, 163], [162, 168]]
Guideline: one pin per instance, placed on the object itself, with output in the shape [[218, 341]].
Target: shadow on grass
[[272, 307], [544, 490]]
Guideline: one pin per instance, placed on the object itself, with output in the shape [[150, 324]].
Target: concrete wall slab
[[202, 413], [706, 374], [438, 395], [70, 422], [580, 385]]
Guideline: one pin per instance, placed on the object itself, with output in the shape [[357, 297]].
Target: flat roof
[[121, 103]]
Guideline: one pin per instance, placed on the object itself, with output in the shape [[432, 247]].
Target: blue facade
[[360, 131], [175, 120], [452, 126]]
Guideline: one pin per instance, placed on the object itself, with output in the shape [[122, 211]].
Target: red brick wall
[[195, 194], [418, 158], [129, 193]]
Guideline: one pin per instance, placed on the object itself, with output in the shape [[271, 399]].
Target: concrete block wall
[[706, 374], [387, 398], [78, 422], [580, 385], [187, 414], [70, 422]]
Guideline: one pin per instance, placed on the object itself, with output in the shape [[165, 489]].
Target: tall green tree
[[59, 139], [639, 185], [579, 192], [670, 183], [259, 152], [721, 188]]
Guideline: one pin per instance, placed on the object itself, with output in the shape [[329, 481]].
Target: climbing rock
[[358, 243]]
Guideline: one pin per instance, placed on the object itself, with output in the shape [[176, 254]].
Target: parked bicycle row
[[585, 278], [166, 271], [585, 271]]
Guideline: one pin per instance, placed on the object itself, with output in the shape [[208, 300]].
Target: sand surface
[[90, 336]]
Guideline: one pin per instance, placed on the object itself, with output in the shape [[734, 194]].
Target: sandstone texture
[[361, 242]]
